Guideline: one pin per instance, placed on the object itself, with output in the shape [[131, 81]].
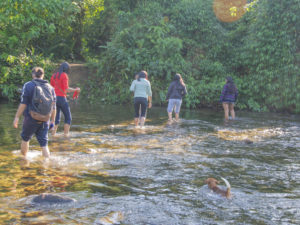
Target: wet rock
[[248, 142], [111, 218], [48, 198]]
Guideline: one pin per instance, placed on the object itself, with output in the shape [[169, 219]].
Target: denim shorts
[[174, 103], [31, 127], [63, 105], [228, 101]]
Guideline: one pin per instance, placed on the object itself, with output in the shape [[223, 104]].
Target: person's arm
[[73, 89], [184, 91], [25, 100], [149, 93], [20, 111], [52, 118], [149, 102], [132, 86]]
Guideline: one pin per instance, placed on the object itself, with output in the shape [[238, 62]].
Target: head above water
[[178, 78], [229, 79], [143, 74], [37, 72], [231, 86], [64, 68]]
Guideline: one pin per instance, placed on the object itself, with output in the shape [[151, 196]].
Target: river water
[[155, 176]]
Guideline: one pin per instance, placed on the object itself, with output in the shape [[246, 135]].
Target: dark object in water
[[247, 141], [213, 185], [52, 199]]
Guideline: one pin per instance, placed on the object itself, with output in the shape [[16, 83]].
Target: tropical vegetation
[[118, 38]]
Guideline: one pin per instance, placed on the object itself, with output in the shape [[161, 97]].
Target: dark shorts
[[31, 127], [228, 101], [63, 105], [140, 102]]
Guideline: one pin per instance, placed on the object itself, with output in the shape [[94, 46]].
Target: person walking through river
[[176, 91], [38, 107], [142, 97], [60, 82], [228, 98]]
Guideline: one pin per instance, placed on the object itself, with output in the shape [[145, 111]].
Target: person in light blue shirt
[[142, 97]]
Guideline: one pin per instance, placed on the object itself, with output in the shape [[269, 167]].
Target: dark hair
[[38, 72], [64, 68], [179, 79], [231, 86], [143, 74]]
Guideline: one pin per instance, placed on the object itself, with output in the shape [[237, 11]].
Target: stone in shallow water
[[48, 198], [248, 141], [112, 218]]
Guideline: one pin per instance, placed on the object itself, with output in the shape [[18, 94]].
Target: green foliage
[[42, 25], [261, 52], [267, 54], [26, 23], [121, 37], [18, 71]]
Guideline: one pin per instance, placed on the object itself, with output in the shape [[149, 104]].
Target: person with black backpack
[[38, 108]]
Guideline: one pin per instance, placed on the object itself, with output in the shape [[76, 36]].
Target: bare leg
[[231, 108], [54, 130], [66, 129], [170, 116], [136, 121], [142, 121], [24, 147], [46, 152], [226, 110], [177, 117]]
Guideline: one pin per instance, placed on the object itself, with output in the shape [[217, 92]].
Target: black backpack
[[42, 101]]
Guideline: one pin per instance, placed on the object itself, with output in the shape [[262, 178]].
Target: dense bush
[[261, 51], [18, 71], [34, 31]]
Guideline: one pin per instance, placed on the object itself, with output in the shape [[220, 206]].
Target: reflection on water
[[120, 174]]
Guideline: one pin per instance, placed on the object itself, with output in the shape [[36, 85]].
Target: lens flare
[[229, 10]]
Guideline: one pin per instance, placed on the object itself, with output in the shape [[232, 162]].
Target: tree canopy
[[260, 50]]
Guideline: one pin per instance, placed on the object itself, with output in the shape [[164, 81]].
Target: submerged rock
[[47, 198], [248, 141], [111, 218]]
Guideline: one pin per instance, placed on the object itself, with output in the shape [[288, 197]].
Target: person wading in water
[[228, 98], [60, 82], [142, 97]]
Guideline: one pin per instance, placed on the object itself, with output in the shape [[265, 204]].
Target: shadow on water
[[118, 173]]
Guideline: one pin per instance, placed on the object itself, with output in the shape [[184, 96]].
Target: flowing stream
[[155, 176]]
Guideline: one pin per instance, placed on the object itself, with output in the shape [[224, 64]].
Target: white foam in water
[[75, 162], [32, 155]]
